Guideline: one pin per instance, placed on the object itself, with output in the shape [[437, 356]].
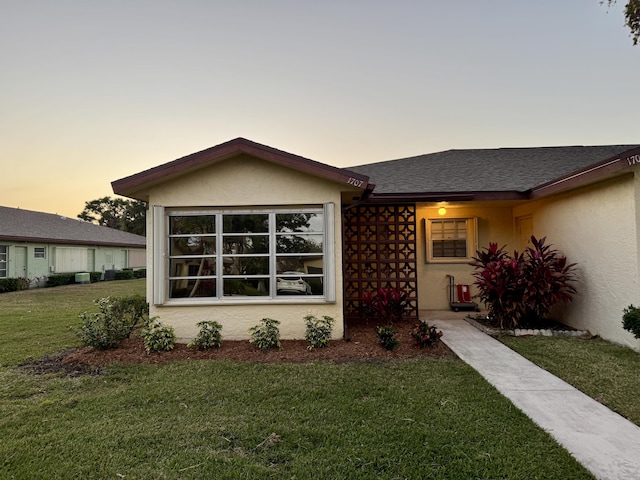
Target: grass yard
[[604, 371], [232, 420]]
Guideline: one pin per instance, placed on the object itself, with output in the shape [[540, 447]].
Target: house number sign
[[358, 183], [633, 159]]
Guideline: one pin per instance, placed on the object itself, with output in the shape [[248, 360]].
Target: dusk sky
[[92, 91]]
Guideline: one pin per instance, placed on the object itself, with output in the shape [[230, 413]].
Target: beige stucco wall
[[245, 181], [595, 227], [495, 224]]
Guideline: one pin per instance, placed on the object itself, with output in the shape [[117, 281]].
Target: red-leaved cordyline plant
[[548, 279], [388, 304], [522, 287]]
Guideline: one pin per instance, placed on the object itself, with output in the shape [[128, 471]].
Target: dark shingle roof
[[26, 225], [485, 170]]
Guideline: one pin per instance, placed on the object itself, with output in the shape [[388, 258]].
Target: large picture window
[[239, 254], [450, 240]]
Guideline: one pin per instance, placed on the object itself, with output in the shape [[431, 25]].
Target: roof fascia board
[[224, 151], [446, 196], [59, 241], [593, 173]]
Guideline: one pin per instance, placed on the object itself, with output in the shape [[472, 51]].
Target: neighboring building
[[35, 245], [256, 232]]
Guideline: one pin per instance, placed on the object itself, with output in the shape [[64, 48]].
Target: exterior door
[[525, 230], [20, 259]]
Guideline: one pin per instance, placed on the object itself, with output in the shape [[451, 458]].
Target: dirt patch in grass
[[362, 345]]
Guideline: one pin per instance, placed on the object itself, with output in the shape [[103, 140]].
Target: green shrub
[[425, 335], [266, 334], [140, 273], [115, 321], [208, 337], [14, 284], [124, 275], [95, 276], [158, 337], [60, 279], [631, 320], [318, 331], [101, 330], [131, 310], [387, 337]]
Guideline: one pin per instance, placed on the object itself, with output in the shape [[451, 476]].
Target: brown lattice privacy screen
[[379, 251]]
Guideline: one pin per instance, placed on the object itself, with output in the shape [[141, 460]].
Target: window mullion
[[219, 261], [272, 255]]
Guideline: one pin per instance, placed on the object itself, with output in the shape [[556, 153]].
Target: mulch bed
[[362, 345]]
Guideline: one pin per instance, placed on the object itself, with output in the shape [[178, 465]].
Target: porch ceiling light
[[442, 211]]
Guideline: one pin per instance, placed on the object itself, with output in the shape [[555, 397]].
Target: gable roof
[[492, 173], [133, 185], [19, 225]]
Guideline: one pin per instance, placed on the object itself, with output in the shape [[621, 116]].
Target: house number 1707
[[633, 159], [355, 182]]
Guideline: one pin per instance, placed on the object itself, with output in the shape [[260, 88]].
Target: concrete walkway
[[604, 442]]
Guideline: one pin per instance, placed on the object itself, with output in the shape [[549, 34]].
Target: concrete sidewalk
[[604, 442]]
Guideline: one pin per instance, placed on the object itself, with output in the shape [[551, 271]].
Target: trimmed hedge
[[124, 275], [13, 284], [140, 273], [60, 279]]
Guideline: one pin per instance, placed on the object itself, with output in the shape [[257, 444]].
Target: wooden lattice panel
[[379, 251]]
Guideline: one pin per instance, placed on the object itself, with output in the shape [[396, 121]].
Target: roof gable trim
[[599, 171], [230, 149]]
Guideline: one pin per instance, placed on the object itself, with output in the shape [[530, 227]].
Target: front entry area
[[379, 251]]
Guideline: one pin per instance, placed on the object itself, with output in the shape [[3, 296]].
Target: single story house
[[35, 245], [242, 231]]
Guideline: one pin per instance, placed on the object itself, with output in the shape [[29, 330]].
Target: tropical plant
[[158, 337], [318, 331], [266, 335], [425, 335], [387, 337], [498, 278], [548, 279], [522, 287], [208, 337], [631, 320], [389, 304]]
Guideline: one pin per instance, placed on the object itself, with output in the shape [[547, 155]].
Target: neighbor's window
[[246, 254], [450, 240], [39, 252], [4, 253]]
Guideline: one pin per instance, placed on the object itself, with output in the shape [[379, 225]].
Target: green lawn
[[604, 371], [218, 419]]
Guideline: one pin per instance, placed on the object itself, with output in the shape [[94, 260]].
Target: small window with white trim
[[451, 240], [39, 252]]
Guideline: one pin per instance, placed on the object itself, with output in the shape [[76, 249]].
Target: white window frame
[[39, 252], [4, 261], [161, 256], [471, 235]]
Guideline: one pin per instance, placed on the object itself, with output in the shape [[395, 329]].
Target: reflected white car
[[293, 284]]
